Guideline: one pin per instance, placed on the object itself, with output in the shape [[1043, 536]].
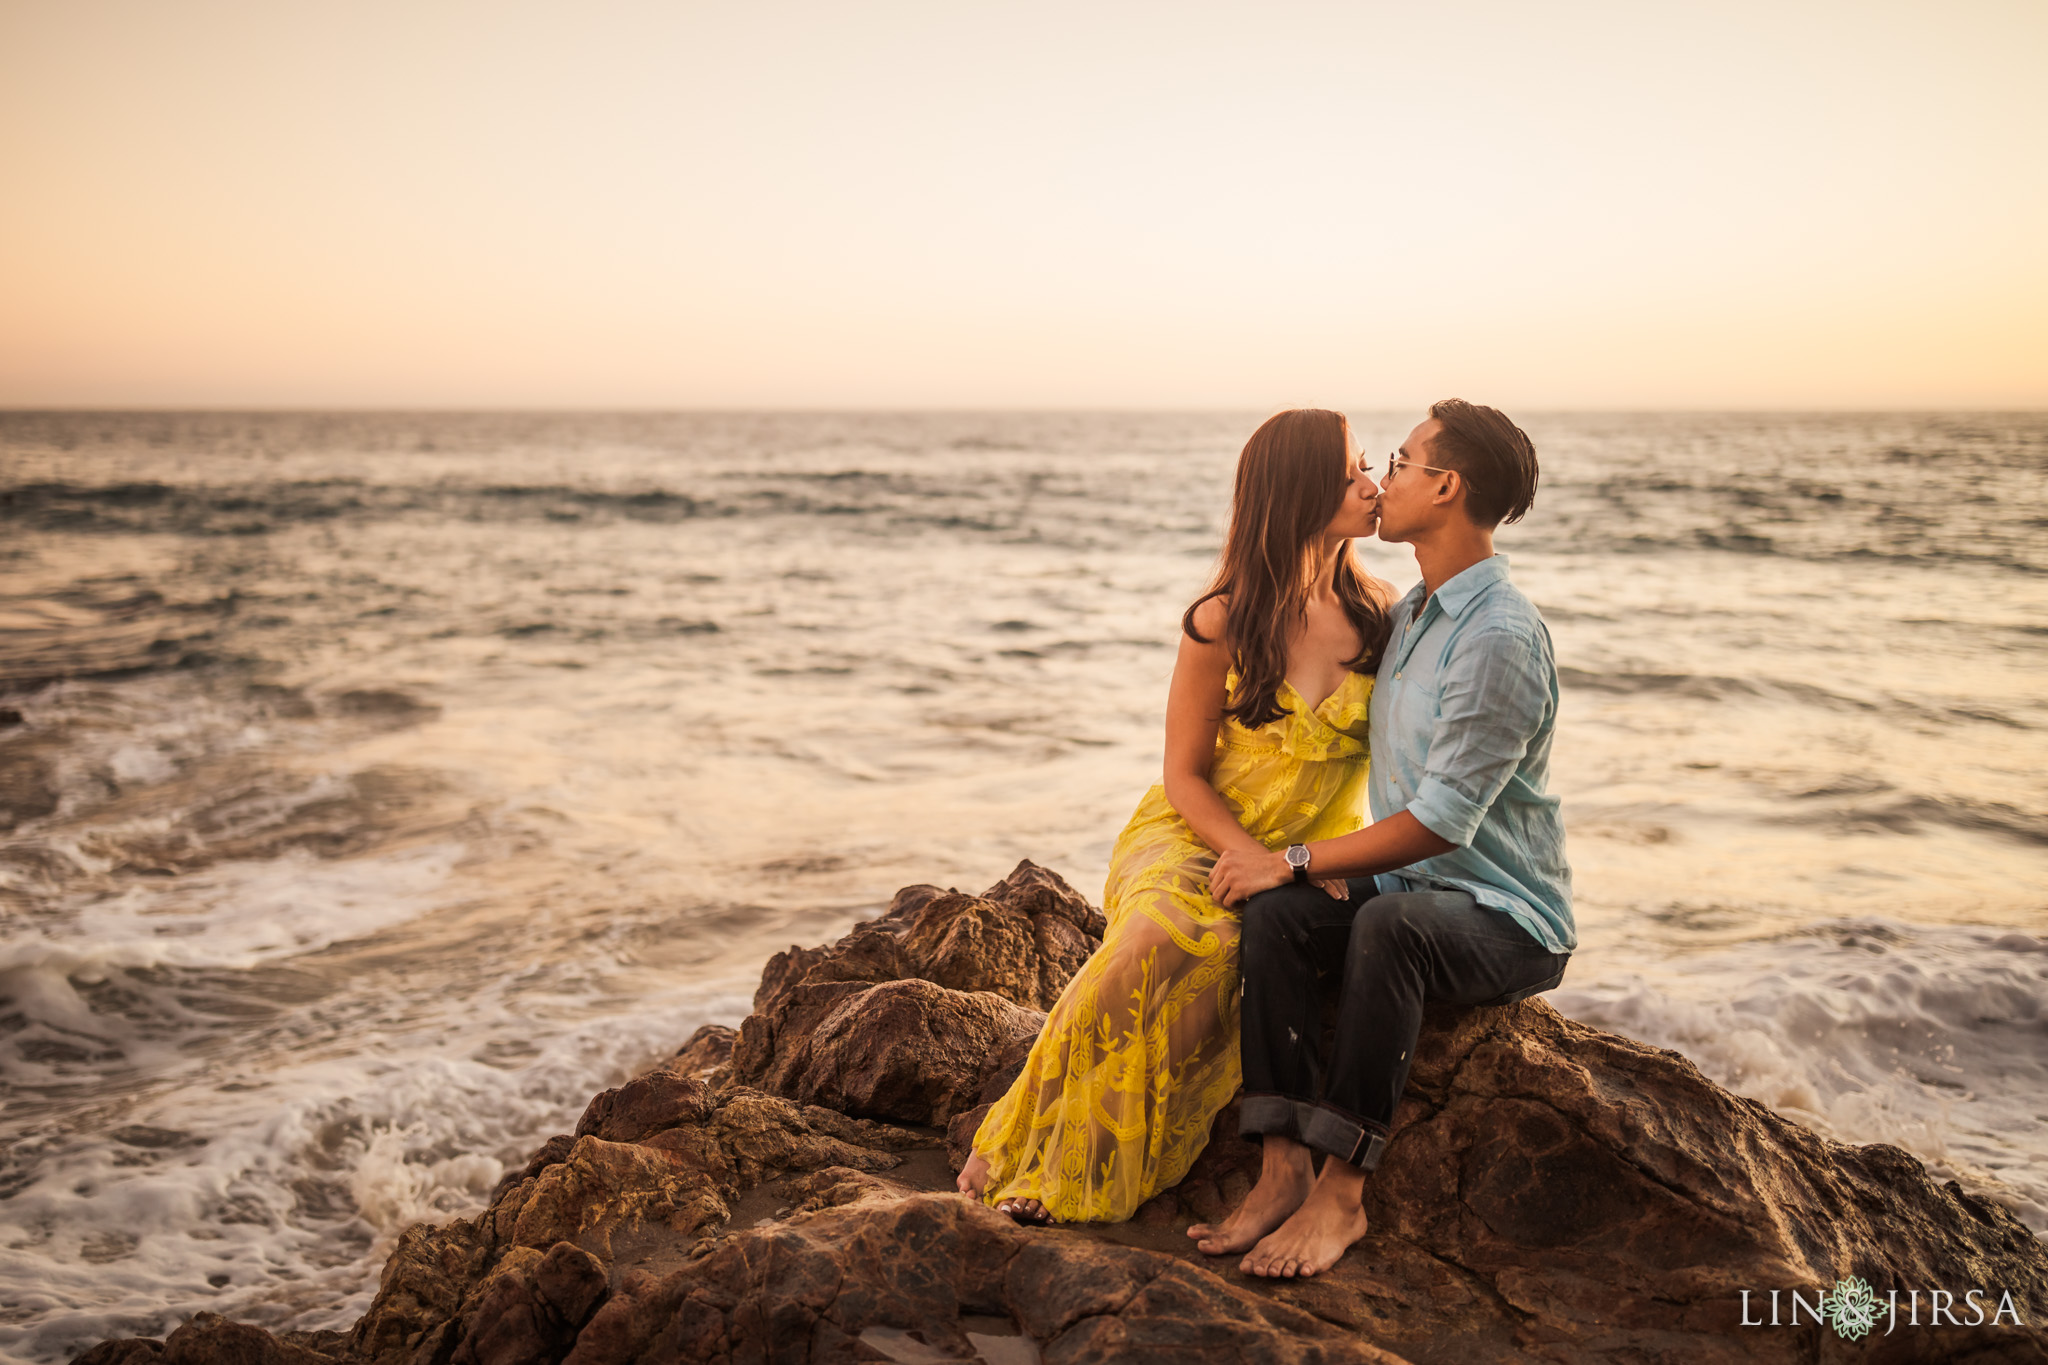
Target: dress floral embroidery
[[1115, 1101]]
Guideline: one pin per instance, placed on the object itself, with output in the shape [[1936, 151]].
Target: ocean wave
[[1906, 814], [101, 629], [254, 510], [1721, 688], [276, 1201], [1708, 687], [209, 510]]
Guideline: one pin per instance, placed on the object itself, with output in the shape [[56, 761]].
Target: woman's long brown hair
[[1291, 479]]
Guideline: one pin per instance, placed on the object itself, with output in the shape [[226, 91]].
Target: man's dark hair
[[1495, 456]]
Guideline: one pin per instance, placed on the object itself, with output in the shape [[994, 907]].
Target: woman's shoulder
[[1210, 618]]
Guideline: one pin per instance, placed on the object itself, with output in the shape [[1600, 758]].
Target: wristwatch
[[1297, 858]]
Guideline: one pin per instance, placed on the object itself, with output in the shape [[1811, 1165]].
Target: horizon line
[[566, 410]]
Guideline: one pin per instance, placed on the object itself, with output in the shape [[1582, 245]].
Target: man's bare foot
[[973, 1176], [1027, 1211], [1284, 1181], [1315, 1237]]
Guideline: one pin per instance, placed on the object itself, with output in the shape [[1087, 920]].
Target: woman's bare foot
[[973, 1176], [1027, 1211], [1285, 1179], [1316, 1236]]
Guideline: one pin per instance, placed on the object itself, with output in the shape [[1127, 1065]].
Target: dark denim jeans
[[1394, 952]]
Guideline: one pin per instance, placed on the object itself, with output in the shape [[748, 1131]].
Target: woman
[[1265, 747]]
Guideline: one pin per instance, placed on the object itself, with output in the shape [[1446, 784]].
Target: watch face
[[1297, 855]]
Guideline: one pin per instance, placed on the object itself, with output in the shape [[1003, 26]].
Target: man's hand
[[1237, 877]]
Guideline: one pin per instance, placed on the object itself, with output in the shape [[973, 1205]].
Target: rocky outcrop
[[908, 1016], [1550, 1192]]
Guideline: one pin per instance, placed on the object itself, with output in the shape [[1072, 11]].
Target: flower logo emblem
[[1851, 1309]]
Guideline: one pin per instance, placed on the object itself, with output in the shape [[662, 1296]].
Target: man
[[1466, 854]]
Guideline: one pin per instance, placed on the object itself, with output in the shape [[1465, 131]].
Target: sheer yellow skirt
[[1138, 1055], [1117, 1097]]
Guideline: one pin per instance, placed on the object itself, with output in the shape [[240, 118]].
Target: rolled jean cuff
[[1262, 1114], [1358, 1141]]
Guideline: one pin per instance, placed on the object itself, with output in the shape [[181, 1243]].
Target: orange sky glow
[[1006, 205]]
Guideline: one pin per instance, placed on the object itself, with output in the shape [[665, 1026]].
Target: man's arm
[[1495, 695], [1392, 843]]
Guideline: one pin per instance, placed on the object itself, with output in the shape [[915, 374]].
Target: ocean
[[376, 788]]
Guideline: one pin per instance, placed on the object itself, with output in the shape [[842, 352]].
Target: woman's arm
[[1194, 710]]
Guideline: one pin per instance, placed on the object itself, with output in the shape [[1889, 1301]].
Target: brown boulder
[[209, 1339], [854, 1027], [908, 1051], [1618, 1201], [911, 1277], [530, 1309], [646, 1105], [1021, 939], [516, 1282], [709, 1048]]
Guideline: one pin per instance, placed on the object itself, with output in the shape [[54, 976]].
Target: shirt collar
[[1459, 592]]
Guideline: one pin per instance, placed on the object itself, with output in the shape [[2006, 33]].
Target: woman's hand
[[1240, 875]]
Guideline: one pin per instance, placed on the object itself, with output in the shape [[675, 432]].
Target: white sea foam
[[289, 1194], [236, 915]]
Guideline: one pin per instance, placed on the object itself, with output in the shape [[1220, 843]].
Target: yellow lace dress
[[1141, 1051]]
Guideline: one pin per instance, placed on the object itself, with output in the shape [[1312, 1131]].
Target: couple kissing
[[1248, 885]]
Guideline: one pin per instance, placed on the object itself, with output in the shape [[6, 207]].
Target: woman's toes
[[1028, 1211]]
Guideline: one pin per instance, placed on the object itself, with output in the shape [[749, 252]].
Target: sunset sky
[[1023, 205]]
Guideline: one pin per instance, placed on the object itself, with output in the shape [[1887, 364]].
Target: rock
[[646, 1105], [920, 1267], [124, 1351], [903, 1050], [1021, 939], [996, 1080], [1033, 891], [672, 1171], [709, 1048], [909, 1015], [531, 1308], [1616, 1200], [421, 1291], [209, 1339], [1550, 1191]]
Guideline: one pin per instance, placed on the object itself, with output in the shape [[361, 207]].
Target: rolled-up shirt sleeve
[[1493, 697]]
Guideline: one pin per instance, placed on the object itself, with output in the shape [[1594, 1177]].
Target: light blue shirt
[[1462, 715]]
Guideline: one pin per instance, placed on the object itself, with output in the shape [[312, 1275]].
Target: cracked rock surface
[[782, 1193]]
